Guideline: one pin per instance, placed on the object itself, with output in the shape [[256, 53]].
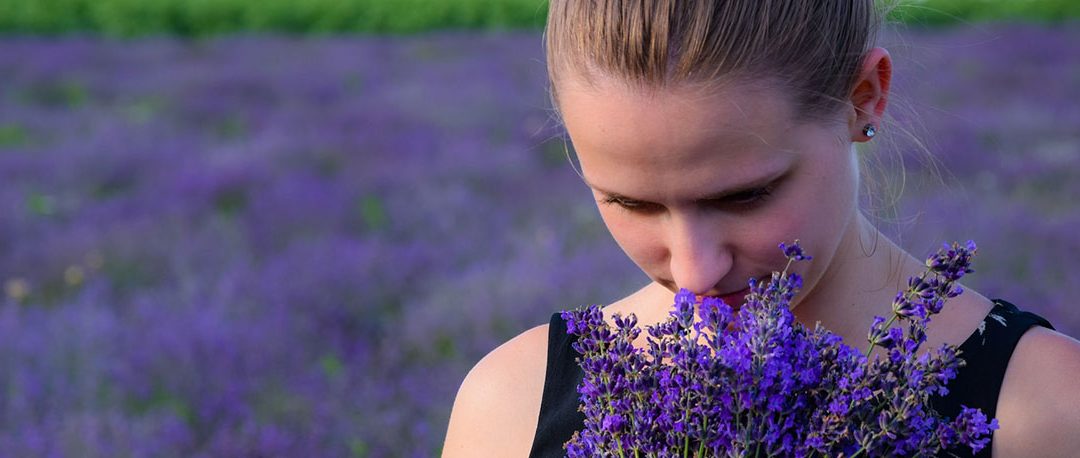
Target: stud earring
[[869, 130]]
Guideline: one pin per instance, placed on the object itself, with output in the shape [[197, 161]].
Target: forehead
[[740, 129]]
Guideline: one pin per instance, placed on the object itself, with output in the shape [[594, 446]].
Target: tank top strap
[[559, 414], [986, 355]]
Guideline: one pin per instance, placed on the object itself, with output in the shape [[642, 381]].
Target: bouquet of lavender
[[756, 383]]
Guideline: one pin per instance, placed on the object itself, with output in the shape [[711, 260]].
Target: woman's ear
[[870, 95]]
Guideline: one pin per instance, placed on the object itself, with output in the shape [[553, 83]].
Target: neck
[[861, 280]]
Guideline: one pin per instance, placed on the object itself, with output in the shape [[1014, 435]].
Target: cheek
[[636, 236], [762, 236], [816, 212], [820, 214]]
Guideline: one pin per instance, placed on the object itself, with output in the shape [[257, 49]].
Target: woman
[[710, 131]]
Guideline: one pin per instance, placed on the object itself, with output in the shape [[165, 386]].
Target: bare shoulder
[[1039, 403], [497, 406]]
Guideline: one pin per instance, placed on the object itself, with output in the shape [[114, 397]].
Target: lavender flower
[[757, 383]]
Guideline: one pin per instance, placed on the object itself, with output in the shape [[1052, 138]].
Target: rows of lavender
[[296, 247]]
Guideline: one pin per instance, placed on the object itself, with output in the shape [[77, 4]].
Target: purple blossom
[[794, 251], [761, 384]]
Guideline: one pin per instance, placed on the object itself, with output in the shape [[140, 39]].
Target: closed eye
[[749, 197], [630, 204], [740, 201]]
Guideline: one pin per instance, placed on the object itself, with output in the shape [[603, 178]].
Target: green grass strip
[[201, 18]]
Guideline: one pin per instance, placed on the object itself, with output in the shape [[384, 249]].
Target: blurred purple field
[[298, 247]]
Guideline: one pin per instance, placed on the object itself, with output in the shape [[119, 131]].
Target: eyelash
[[755, 196], [747, 200]]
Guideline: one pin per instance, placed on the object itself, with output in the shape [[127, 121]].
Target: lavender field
[[260, 246]]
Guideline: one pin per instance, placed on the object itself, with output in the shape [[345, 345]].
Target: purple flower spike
[[952, 262], [794, 251], [613, 422], [973, 429], [685, 296]]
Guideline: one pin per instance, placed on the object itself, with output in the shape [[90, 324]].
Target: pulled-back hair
[[813, 48]]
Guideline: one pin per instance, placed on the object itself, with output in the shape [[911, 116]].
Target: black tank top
[[977, 384]]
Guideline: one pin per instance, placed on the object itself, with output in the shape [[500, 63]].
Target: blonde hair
[[813, 48]]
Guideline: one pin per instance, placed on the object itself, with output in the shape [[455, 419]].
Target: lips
[[736, 298]]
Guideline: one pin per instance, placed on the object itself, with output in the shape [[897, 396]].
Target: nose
[[699, 257]]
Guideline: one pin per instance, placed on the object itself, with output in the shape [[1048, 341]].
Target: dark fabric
[[559, 415], [977, 384], [986, 354]]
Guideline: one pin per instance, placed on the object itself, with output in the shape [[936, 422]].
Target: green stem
[[705, 429]]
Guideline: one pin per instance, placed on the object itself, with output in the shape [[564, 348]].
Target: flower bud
[[903, 307]]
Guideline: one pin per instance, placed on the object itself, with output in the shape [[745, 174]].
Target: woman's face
[[699, 186]]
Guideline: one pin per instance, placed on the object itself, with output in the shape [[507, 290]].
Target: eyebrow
[[754, 184]]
